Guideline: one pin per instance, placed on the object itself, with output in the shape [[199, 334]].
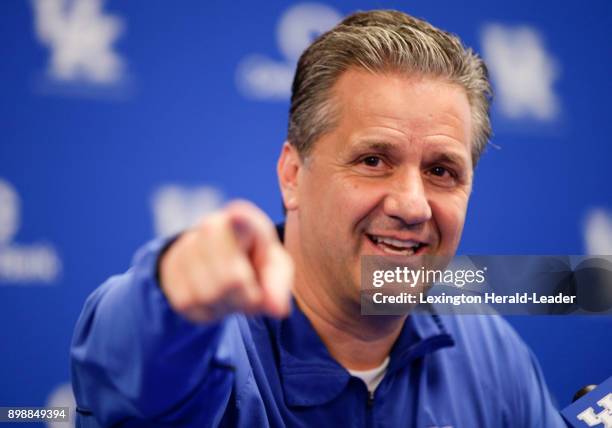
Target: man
[[228, 325]]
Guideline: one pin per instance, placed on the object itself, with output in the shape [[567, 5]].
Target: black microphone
[[583, 391]]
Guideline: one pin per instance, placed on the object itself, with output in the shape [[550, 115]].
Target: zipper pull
[[370, 398]]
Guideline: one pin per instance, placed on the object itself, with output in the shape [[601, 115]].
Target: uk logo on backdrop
[[62, 396], [523, 71], [263, 78], [80, 38], [30, 264], [598, 232], [177, 207]]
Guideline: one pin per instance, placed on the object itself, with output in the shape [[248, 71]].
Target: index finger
[[272, 263]]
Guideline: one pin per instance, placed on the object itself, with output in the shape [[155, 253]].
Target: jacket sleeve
[[135, 362], [532, 404], [538, 408]]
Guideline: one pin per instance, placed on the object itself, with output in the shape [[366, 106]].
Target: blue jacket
[[135, 363]]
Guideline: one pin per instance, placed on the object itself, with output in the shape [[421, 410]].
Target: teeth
[[400, 247], [389, 250], [395, 242]]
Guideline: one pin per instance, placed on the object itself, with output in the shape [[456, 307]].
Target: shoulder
[[492, 333], [490, 344], [491, 357]]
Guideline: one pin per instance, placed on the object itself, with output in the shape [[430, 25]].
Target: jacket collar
[[309, 374], [311, 377]]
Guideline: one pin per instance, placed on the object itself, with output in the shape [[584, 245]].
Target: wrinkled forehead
[[395, 107]]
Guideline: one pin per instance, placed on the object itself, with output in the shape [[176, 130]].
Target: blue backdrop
[[120, 121]]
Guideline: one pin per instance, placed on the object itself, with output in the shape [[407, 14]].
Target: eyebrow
[[449, 157], [376, 145]]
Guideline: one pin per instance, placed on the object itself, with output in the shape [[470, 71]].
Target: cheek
[[449, 215], [357, 201], [334, 201]]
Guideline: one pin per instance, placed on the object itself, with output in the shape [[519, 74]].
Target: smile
[[401, 247]]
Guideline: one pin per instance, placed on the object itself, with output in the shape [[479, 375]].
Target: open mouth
[[398, 247]]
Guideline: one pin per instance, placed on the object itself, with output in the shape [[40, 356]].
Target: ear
[[288, 168]]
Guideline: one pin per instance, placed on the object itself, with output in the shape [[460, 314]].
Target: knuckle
[[255, 301], [251, 212], [211, 223], [236, 275], [232, 284]]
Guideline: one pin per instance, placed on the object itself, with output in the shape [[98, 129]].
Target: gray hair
[[380, 41]]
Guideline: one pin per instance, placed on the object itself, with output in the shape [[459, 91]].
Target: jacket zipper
[[370, 409], [370, 399]]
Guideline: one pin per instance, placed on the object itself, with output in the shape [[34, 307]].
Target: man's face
[[393, 177]]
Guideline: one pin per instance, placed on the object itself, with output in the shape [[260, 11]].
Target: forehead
[[401, 108]]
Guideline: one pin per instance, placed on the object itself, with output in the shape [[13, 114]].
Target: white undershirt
[[373, 376]]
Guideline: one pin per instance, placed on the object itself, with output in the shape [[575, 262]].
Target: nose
[[407, 199]]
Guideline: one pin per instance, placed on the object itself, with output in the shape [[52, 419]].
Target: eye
[[442, 176], [439, 171], [372, 161]]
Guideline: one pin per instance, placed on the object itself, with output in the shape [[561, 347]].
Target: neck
[[357, 342]]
